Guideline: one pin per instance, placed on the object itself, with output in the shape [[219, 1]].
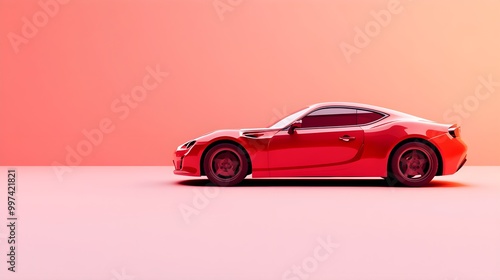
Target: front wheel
[[413, 164], [226, 164]]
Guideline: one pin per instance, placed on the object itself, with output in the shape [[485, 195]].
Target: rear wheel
[[226, 164], [413, 164]]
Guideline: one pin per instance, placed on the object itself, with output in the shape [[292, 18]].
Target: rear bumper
[[453, 152], [463, 162]]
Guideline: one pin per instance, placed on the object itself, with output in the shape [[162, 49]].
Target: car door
[[327, 139]]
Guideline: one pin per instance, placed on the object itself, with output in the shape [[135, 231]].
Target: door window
[[326, 117]]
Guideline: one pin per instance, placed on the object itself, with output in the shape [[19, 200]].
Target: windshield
[[287, 120]]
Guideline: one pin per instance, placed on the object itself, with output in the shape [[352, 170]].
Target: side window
[[330, 117], [365, 117]]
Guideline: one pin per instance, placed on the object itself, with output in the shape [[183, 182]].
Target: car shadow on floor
[[318, 183]]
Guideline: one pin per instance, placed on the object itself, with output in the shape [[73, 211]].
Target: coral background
[[245, 66]]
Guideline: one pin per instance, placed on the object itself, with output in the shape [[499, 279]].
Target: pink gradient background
[[265, 59]]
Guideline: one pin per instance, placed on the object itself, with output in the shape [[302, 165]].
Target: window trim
[[384, 115]]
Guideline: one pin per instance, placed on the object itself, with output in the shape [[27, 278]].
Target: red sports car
[[329, 140]]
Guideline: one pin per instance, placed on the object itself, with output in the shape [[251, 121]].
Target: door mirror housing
[[293, 126]]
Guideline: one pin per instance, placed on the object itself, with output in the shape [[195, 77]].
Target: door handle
[[347, 138]]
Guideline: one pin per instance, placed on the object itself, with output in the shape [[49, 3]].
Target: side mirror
[[293, 126]]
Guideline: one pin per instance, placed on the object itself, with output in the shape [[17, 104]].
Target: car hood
[[236, 133]]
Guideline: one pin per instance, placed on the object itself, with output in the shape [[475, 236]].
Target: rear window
[[365, 117]]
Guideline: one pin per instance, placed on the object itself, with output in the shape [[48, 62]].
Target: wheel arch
[[224, 141], [421, 140]]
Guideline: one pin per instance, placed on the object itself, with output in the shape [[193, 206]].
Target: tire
[[414, 164], [226, 164]]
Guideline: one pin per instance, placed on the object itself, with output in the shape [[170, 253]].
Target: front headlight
[[186, 145]]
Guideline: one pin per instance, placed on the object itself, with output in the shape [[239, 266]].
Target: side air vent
[[253, 135]]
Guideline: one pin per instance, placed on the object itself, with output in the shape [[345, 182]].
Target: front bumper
[[187, 161]]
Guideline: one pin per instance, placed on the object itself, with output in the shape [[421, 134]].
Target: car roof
[[361, 106]]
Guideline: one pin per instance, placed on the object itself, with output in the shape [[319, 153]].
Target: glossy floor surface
[[146, 223]]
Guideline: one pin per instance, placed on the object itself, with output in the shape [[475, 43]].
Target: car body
[[334, 139]]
